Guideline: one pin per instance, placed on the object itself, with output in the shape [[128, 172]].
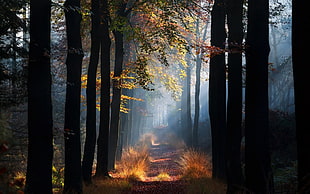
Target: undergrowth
[[195, 164], [134, 163], [197, 170]]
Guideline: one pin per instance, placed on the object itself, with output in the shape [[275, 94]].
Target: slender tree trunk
[[73, 171], [90, 140], [103, 138], [217, 92], [40, 121], [117, 92], [186, 120], [301, 84], [257, 158], [234, 102], [197, 102]]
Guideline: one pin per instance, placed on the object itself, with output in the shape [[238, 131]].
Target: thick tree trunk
[[257, 158], [103, 138], [301, 83], [90, 140], [217, 92], [73, 172], [234, 102], [40, 122]]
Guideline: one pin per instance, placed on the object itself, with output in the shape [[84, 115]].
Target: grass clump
[[134, 163], [195, 164], [163, 176], [197, 170], [108, 186]]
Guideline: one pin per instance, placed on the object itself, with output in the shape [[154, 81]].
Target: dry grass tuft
[[195, 164], [134, 163], [108, 186], [163, 176]]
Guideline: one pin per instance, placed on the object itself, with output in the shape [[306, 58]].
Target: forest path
[[164, 172]]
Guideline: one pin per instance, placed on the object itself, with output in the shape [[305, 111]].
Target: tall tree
[[197, 85], [197, 92], [73, 171], [103, 138], [234, 101], [90, 139], [118, 68], [40, 122], [186, 118], [301, 83], [257, 158], [217, 92]]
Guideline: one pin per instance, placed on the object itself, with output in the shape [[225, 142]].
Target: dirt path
[[164, 173]]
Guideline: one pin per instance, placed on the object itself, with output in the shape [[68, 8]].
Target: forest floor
[[164, 173]]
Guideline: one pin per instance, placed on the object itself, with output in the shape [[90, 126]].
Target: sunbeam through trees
[[153, 96]]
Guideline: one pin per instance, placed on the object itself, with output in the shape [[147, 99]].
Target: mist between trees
[[82, 81]]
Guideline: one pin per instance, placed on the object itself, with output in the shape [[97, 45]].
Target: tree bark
[[217, 92], [234, 101], [103, 138], [40, 121], [91, 94], [117, 92], [301, 83], [73, 171], [257, 158], [186, 118]]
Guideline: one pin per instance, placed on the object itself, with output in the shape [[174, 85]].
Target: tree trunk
[[195, 140], [73, 172], [90, 140], [234, 101], [301, 84], [40, 122], [217, 92], [257, 158], [117, 92], [103, 138], [186, 120]]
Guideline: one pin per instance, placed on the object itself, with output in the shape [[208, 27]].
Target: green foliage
[[11, 23], [283, 151], [285, 178], [57, 177], [5, 132]]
